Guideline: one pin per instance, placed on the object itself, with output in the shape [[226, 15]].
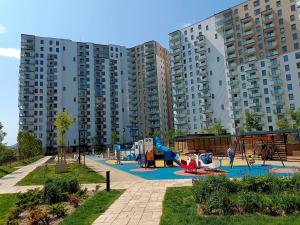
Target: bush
[[250, 202], [218, 203], [56, 190], [74, 200], [29, 199], [57, 210], [14, 213], [37, 217]]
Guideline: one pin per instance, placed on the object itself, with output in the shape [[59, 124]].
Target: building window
[[288, 77], [285, 58], [268, 109], [291, 97], [290, 87], [207, 27], [267, 100]]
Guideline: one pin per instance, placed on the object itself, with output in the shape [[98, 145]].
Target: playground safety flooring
[[167, 173]]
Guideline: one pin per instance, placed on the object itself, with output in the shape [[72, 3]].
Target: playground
[[150, 159]]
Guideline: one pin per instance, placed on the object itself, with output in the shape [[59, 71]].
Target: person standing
[[230, 153]]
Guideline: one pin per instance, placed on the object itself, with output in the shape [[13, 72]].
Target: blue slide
[[168, 153]]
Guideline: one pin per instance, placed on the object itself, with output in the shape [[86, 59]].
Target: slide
[[168, 153]]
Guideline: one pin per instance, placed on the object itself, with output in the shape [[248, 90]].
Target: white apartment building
[[87, 80], [246, 58]]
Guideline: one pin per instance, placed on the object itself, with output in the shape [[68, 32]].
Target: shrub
[[56, 190], [82, 192], [218, 203], [250, 202], [74, 200], [29, 199], [14, 213], [37, 217], [12, 222], [57, 210]]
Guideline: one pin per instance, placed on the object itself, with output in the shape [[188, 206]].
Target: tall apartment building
[[87, 80], [246, 58], [90, 81], [150, 106]]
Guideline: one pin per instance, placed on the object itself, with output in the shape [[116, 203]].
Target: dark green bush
[[218, 203], [29, 199], [57, 190], [58, 210], [249, 202]]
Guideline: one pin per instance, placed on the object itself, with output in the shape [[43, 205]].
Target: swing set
[[266, 148]]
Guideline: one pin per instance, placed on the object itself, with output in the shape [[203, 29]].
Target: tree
[[169, 135], [2, 133], [217, 129], [63, 123], [295, 118], [283, 124], [28, 145], [252, 122], [114, 138]]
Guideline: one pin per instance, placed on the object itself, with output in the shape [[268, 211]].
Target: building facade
[[246, 58], [150, 105], [87, 80], [90, 81]]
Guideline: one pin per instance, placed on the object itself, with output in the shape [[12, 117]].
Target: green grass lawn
[[84, 174], [179, 207], [92, 208], [4, 170], [7, 201]]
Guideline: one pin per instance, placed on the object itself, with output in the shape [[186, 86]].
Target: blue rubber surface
[[168, 172]]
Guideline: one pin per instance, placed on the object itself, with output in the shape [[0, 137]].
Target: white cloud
[[2, 29], [10, 52], [185, 25]]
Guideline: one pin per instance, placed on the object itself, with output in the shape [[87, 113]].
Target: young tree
[[169, 135], [295, 118], [2, 133], [63, 123], [252, 122], [283, 124], [28, 145], [114, 138]]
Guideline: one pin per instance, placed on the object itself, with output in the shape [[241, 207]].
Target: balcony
[[229, 41], [252, 86], [232, 65], [271, 44], [231, 56], [205, 95], [250, 51], [230, 49], [272, 53], [252, 77], [254, 105], [248, 33], [251, 59], [236, 108], [234, 91], [249, 42], [275, 73], [255, 95], [268, 18], [250, 69], [233, 82], [228, 33], [270, 36], [276, 82], [269, 27], [232, 74], [247, 26], [277, 92], [278, 102], [236, 99]]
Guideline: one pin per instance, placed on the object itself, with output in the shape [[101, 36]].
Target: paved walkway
[[8, 182], [140, 204]]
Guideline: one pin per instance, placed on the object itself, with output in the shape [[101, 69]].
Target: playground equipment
[[202, 161], [124, 153], [146, 156], [168, 154], [267, 148]]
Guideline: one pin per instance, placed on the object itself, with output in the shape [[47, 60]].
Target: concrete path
[[115, 174], [8, 182], [140, 204]]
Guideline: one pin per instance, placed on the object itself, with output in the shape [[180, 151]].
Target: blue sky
[[123, 22]]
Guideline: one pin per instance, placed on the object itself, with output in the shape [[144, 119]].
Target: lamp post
[[82, 142]]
